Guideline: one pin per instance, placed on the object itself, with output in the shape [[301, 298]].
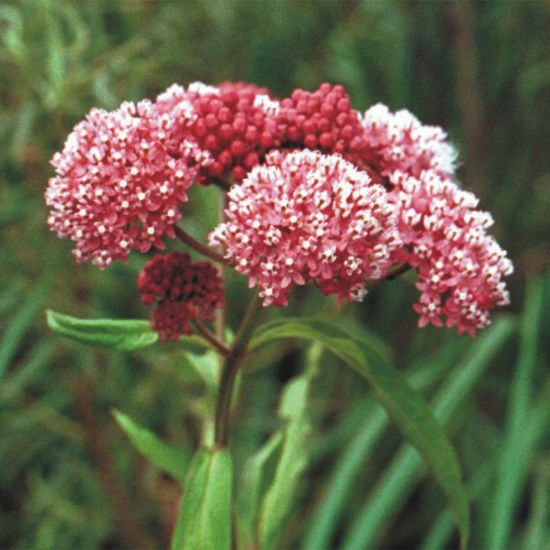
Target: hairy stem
[[230, 368], [211, 337], [198, 246]]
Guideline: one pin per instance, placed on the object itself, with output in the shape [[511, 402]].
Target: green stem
[[230, 368]]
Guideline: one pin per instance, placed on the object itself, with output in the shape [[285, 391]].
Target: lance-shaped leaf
[[281, 493], [404, 405], [117, 334], [164, 457]]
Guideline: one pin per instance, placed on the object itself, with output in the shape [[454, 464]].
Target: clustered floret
[[322, 120], [319, 193], [182, 292], [399, 142], [460, 267], [120, 183], [234, 123], [304, 217]]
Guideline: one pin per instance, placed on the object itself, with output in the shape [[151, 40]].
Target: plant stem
[[219, 321], [229, 373], [199, 247], [211, 337]]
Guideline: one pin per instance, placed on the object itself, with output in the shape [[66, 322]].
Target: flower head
[[307, 217], [182, 291], [398, 141], [322, 120], [460, 266], [120, 181], [233, 122]]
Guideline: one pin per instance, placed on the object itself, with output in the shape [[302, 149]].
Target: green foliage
[[205, 517], [402, 403], [120, 335], [168, 459]]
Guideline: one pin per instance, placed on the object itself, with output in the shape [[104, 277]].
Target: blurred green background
[[68, 476]]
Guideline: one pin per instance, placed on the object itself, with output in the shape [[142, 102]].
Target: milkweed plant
[[314, 193]]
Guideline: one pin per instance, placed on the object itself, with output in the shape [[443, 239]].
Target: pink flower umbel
[[460, 267], [308, 217], [120, 182], [182, 292], [399, 141]]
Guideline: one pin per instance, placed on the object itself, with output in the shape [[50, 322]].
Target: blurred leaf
[[281, 492], [513, 466], [204, 520], [207, 366], [164, 457], [539, 512], [22, 320], [350, 463], [29, 371], [258, 472], [400, 476], [403, 404]]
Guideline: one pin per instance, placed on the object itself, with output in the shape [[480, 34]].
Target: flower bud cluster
[[322, 120], [234, 123], [182, 291]]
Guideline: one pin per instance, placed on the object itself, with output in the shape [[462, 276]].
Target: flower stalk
[[185, 238], [203, 330], [230, 367]]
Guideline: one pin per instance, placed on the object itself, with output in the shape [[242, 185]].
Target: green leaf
[[366, 434], [164, 457], [402, 403], [204, 521], [292, 456], [117, 334], [405, 470], [120, 335], [513, 467]]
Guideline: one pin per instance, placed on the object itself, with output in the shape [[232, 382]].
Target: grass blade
[[513, 466], [406, 468]]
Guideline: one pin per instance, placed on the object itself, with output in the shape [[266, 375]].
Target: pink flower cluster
[[319, 193], [120, 183], [460, 267], [182, 291], [303, 217], [398, 141]]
